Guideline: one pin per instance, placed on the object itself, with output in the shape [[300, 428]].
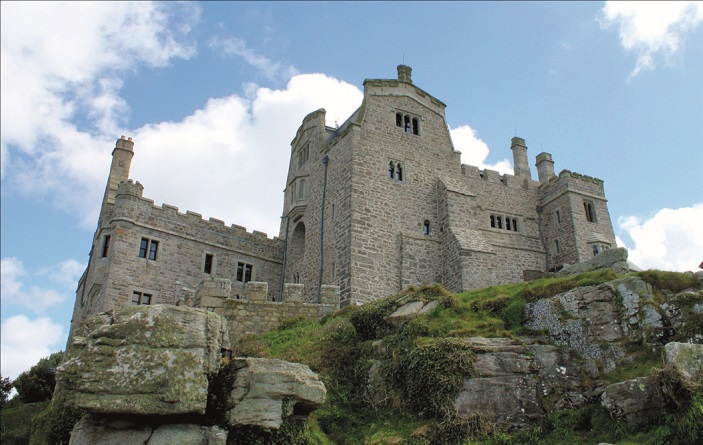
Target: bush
[[37, 384], [17, 422], [673, 281]]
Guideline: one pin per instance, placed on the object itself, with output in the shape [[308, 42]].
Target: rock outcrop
[[141, 370], [266, 391], [144, 360]]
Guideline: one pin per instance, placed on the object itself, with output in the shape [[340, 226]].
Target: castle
[[376, 205]]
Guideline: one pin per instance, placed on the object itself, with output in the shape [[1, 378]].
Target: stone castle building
[[376, 205]]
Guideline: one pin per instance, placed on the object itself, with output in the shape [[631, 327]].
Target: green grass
[[673, 281]]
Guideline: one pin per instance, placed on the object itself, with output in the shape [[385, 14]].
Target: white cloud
[[474, 151], [61, 64], [670, 240], [24, 342], [652, 29], [14, 291], [229, 160], [238, 47]]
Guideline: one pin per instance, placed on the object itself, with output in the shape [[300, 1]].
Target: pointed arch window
[[398, 172], [426, 227], [391, 170]]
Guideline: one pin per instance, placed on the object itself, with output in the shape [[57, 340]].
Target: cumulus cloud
[[670, 240], [14, 291], [229, 159], [61, 68], [24, 341], [652, 30], [474, 151]]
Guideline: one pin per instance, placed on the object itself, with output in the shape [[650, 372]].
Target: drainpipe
[[541, 237], [325, 161], [285, 256]]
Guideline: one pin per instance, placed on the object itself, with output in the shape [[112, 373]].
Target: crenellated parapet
[[251, 311], [132, 206]]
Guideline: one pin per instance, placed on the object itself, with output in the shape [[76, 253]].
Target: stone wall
[[253, 312]]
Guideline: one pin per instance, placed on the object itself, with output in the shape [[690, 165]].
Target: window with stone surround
[[504, 222], [303, 155], [244, 272], [395, 170], [106, 245], [409, 124], [141, 298], [557, 216], [426, 227], [557, 248], [148, 249], [209, 260], [598, 248], [590, 211]]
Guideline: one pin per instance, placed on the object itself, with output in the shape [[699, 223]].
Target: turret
[[119, 169], [522, 168], [404, 73], [545, 167]]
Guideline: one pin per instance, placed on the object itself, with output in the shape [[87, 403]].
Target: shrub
[[673, 281]]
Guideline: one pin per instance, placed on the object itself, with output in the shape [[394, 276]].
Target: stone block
[[256, 291], [144, 360], [293, 292], [329, 295]]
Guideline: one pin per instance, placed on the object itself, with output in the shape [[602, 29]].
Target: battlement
[[251, 311], [167, 217], [492, 176]]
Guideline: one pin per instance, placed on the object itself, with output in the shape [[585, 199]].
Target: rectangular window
[[106, 245], [148, 249], [556, 246], [208, 263], [595, 249], [557, 216], [140, 298], [244, 272], [590, 211]]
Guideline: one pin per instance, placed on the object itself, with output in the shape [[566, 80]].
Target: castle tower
[[522, 168], [119, 169]]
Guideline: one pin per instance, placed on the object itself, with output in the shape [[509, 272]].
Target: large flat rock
[[144, 360]]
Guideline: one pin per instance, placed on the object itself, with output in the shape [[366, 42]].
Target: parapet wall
[[253, 312], [130, 205]]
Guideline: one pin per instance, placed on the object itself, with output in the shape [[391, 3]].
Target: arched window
[[398, 172], [398, 120], [391, 170], [296, 244], [407, 125], [426, 227], [416, 127]]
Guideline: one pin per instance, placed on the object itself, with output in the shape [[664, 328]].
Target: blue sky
[[212, 94]]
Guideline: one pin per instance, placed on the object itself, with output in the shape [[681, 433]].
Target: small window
[[395, 170], [148, 248], [595, 249], [590, 211], [556, 246], [303, 155], [514, 225], [244, 272], [208, 263], [140, 298], [493, 221], [409, 124], [507, 224], [301, 189], [557, 216], [499, 221], [106, 245], [426, 227], [504, 222]]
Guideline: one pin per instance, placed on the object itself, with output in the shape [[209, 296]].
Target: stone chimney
[[522, 168], [545, 167], [404, 73]]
